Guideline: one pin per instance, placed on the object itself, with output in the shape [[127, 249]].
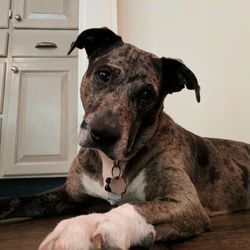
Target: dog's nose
[[104, 134]]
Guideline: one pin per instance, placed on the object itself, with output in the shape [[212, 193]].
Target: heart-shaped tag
[[117, 185]]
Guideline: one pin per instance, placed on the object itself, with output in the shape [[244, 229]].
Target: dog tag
[[117, 185]]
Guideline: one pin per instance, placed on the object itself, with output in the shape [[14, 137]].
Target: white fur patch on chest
[[134, 190]]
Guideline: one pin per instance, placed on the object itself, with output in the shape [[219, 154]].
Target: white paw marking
[[122, 227]]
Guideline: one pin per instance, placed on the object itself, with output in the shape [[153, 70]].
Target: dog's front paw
[[118, 229]]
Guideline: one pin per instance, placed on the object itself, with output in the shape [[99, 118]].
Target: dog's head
[[123, 91]]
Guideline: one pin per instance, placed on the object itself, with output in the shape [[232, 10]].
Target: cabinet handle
[[46, 45], [14, 69], [18, 17]]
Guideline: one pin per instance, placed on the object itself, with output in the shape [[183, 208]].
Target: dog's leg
[[178, 213], [175, 220], [53, 202]]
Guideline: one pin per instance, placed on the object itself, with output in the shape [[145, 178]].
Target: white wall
[[213, 38]]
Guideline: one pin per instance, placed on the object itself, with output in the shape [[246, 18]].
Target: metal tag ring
[[116, 165]]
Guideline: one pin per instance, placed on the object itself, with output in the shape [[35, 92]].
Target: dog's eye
[[104, 75], [147, 93]]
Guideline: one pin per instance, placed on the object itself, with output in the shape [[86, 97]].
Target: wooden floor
[[229, 232]]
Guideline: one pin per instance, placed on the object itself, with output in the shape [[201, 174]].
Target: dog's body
[[174, 179]]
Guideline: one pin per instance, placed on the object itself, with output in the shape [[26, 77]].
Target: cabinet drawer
[[41, 43], [3, 43], [2, 82]]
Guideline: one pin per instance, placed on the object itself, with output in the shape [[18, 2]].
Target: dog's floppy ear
[[176, 76], [95, 39]]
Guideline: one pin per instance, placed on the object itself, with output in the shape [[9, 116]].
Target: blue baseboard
[[20, 187]]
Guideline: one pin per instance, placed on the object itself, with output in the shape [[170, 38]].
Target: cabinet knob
[[18, 17], [14, 69]]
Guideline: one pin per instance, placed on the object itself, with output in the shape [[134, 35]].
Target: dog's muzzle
[[102, 132]]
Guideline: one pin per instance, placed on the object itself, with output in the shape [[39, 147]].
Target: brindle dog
[[165, 182]]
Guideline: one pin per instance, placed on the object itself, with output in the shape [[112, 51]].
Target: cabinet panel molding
[[46, 14], [3, 43], [2, 84], [42, 121], [4, 13]]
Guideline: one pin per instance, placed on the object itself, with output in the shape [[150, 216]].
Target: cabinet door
[[42, 117], [4, 13], [46, 14]]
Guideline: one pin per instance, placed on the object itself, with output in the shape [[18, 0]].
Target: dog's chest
[[135, 189]]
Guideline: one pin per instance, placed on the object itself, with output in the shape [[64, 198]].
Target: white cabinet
[[38, 87], [42, 112], [4, 13], [45, 14]]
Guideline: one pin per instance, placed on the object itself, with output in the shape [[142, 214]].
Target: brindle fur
[[188, 178]]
